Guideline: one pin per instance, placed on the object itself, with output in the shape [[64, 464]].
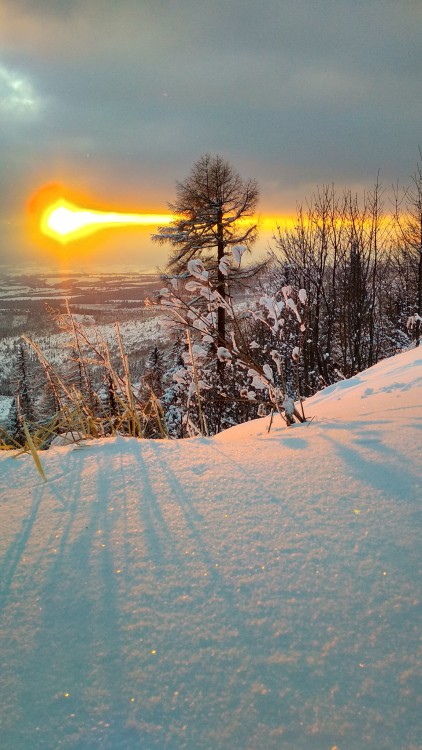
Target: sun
[[65, 220], [66, 224]]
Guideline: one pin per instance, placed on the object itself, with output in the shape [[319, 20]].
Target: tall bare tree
[[339, 253], [409, 224], [214, 210]]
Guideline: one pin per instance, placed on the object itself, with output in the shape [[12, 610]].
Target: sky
[[116, 100]]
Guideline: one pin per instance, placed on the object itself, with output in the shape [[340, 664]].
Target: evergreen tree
[[210, 208], [155, 368], [24, 394]]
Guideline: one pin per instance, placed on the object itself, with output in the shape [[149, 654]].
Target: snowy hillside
[[251, 591], [138, 336]]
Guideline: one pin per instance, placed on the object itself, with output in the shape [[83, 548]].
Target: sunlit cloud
[[17, 95]]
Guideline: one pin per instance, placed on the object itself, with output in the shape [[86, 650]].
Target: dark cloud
[[124, 96]]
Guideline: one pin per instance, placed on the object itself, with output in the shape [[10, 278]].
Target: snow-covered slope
[[252, 591]]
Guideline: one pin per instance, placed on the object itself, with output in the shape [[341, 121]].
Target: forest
[[335, 294]]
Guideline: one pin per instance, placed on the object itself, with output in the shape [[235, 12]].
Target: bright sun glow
[[64, 221]]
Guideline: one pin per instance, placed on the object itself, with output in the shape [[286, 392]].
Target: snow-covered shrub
[[232, 377], [91, 395]]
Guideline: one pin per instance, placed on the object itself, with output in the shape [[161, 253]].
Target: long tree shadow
[[217, 585], [159, 539], [42, 491], [73, 665], [390, 479], [16, 550]]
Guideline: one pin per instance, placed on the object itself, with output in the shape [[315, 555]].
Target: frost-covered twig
[[199, 314]]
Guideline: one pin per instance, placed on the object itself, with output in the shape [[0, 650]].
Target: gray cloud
[[127, 95]]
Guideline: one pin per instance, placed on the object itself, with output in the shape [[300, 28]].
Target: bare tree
[[213, 210], [409, 226], [311, 256], [339, 252]]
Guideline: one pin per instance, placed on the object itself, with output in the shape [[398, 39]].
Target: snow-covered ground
[[251, 591], [136, 334], [5, 406]]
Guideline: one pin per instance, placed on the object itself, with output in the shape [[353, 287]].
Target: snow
[[135, 334], [5, 406], [252, 591]]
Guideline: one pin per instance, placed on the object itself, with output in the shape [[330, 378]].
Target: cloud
[[125, 96], [17, 95]]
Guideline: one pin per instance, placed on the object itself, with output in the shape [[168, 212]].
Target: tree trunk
[[221, 322]]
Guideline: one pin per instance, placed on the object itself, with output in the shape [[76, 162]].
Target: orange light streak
[[65, 222], [58, 216]]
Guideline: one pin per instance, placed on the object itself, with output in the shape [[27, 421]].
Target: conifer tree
[[210, 209], [155, 370], [24, 396]]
